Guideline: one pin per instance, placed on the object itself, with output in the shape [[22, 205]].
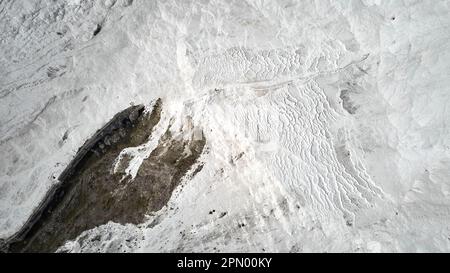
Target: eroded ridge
[[91, 193]]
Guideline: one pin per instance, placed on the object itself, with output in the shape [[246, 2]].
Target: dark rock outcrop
[[91, 194]]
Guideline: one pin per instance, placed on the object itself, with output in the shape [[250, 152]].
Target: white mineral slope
[[327, 122]]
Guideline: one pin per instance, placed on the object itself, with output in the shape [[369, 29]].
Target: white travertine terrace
[[327, 122]]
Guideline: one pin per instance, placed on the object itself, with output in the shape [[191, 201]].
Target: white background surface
[[262, 78]]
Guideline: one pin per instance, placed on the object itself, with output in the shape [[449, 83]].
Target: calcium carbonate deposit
[[225, 126]]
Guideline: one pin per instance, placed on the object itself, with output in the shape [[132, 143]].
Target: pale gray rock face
[[326, 122]]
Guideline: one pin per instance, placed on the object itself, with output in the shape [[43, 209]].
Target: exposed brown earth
[[90, 194]]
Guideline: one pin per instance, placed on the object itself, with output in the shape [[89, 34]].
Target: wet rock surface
[[91, 193]]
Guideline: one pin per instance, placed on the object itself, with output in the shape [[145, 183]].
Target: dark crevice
[[97, 30]]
